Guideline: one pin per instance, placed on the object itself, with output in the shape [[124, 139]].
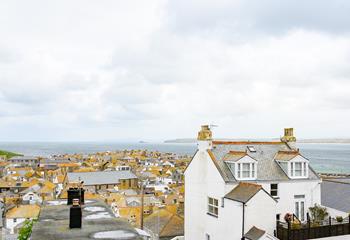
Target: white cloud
[[87, 70]]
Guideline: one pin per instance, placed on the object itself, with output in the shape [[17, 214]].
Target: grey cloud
[[271, 16]]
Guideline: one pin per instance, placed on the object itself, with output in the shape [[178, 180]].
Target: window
[[278, 217], [239, 171], [15, 220], [246, 170], [298, 169], [274, 189], [300, 206], [299, 210], [213, 206]]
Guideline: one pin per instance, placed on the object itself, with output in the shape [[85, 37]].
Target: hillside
[[8, 154]]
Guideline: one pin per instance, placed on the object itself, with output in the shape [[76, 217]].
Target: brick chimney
[[204, 138], [289, 137]]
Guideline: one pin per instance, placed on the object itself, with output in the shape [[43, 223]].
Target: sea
[[324, 157]]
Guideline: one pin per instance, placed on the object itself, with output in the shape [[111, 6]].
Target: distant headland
[[315, 140]]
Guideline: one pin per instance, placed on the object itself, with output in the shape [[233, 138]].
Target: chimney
[[75, 214], [289, 137], [75, 193], [204, 138]]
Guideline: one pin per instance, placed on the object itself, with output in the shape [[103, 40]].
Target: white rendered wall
[[287, 190], [202, 179], [10, 224], [260, 212]]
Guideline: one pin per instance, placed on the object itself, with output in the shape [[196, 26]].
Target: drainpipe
[[243, 214]]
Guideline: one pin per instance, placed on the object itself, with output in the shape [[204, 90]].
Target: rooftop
[[339, 187], [254, 233], [98, 223], [24, 211], [100, 178], [243, 192], [265, 152]]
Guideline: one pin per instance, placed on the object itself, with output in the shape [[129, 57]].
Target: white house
[[31, 197], [235, 187], [17, 215]]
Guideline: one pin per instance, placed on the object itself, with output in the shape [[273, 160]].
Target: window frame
[[296, 172], [242, 171], [212, 204]]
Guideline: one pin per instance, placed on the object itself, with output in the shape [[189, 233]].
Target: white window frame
[[304, 171], [299, 205], [213, 204], [252, 170]]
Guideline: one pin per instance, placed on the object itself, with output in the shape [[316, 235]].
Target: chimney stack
[[204, 138], [75, 193], [75, 214], [289, 137]]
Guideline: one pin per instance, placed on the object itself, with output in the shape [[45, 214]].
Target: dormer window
[[293, 164], [242, 166]]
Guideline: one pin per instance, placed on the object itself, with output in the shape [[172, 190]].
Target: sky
[[113, 70]]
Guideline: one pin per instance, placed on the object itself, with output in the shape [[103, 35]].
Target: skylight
[[251, 149]]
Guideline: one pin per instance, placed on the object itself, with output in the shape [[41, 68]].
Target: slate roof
[[267, 168], [24, 158], [243, 192], [335, 193], [254, 233], [100, 178]]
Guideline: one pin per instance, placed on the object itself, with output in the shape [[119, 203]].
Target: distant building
[[25, 161], [164, 225], [102, 180], [239, 188]]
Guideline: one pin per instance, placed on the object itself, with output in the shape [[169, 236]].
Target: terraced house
[[238, 189], [101, 180]]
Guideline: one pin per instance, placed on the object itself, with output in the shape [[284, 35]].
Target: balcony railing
[[295, 230]]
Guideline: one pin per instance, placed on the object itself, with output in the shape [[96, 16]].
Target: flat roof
[[98, 222]]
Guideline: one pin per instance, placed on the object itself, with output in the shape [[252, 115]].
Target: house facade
[[235, 187]]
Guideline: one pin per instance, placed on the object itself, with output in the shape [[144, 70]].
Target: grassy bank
[[8, 154]]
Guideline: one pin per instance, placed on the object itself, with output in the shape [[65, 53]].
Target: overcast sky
[[158, 69]]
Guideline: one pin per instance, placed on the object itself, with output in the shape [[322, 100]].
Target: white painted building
[[32, 198], [234, 187]]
